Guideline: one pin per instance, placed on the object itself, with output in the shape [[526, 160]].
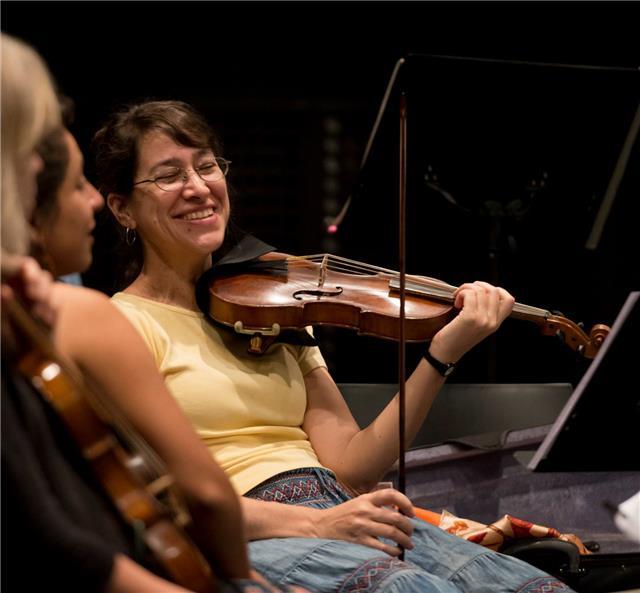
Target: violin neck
[[444, 293], [420, 286], [423, 287]]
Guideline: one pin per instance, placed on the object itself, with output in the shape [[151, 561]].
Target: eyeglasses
[[174, 178]]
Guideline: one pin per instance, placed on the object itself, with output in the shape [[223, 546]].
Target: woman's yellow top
[[247, 409]]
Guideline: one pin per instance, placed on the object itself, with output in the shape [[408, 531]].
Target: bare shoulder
[[78, 304], [69, 296], [89, 323]]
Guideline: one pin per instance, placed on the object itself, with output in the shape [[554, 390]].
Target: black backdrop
[[294, 88]]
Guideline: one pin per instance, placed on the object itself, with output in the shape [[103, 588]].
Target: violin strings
[[429, 286], [348, 266], [352, 266], [158, 473], [529, 310], [420, 279]]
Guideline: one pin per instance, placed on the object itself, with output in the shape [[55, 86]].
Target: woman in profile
[[55, 511]]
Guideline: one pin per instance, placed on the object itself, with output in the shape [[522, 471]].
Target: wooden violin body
[[360, 303], [327, 290], [136, 501]]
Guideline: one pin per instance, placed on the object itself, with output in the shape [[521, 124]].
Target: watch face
[[449, 370]]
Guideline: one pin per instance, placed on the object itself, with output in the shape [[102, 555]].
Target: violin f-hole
[[299, 294]]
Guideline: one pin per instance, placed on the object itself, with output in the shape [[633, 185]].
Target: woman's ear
[[119, 206]]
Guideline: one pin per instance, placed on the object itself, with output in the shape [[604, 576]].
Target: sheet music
[[560, 422]]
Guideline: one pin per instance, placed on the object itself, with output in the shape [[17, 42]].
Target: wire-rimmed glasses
[[174, 178]]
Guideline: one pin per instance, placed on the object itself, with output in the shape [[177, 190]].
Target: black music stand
[[598, 428], [497, 132], [511, 128], [492, 144]]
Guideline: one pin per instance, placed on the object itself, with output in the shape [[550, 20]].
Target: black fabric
[[245, 249], [59, 532], [242, 258]]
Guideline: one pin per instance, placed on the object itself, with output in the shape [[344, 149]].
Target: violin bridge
[[322, 272]]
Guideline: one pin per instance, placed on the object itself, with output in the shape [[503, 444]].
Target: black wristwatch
[[444, 368]]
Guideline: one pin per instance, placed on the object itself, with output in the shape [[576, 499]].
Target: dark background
[[526, 152]]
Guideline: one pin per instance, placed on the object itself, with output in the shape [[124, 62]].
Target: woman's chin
[[209, 245]]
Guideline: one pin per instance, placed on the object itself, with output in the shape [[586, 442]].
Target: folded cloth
[[498, 533]]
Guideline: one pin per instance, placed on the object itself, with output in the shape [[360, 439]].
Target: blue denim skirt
[[439, 562]]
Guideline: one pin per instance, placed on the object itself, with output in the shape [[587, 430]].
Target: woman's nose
[[97, 200], [194, 183]]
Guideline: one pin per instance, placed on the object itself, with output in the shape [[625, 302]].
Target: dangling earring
[[130, 236]]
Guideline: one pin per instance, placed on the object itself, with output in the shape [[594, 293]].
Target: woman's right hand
[[22, 275], [38, 287], [366, 518]]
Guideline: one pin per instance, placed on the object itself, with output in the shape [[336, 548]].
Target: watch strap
[[444, 368]]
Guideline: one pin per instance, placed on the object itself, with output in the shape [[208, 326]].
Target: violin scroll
[[574, 336]]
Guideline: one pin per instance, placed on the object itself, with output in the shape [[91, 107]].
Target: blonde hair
[[30, 110]]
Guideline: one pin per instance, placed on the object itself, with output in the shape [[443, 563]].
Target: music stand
[[491, 138], [552, 103], [598, 428], [511, 128]]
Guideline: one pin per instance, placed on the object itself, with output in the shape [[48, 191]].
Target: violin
[[83, 414], [326, 289]]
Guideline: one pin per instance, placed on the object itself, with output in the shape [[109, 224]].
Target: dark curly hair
[[55, 156], [115, 144], [115, 147]]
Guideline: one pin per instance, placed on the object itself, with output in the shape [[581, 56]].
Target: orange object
[[428, 516], [495, 535]]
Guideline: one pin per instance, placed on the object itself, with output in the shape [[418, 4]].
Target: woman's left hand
[[483, 308], [35, 283]]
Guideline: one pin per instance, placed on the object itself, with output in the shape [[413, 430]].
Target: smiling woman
[[181, 216], [175, 197], [277, 423]]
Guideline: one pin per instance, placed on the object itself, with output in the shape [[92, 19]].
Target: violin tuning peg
[[560, 335], [580, 324], [557, 313]]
